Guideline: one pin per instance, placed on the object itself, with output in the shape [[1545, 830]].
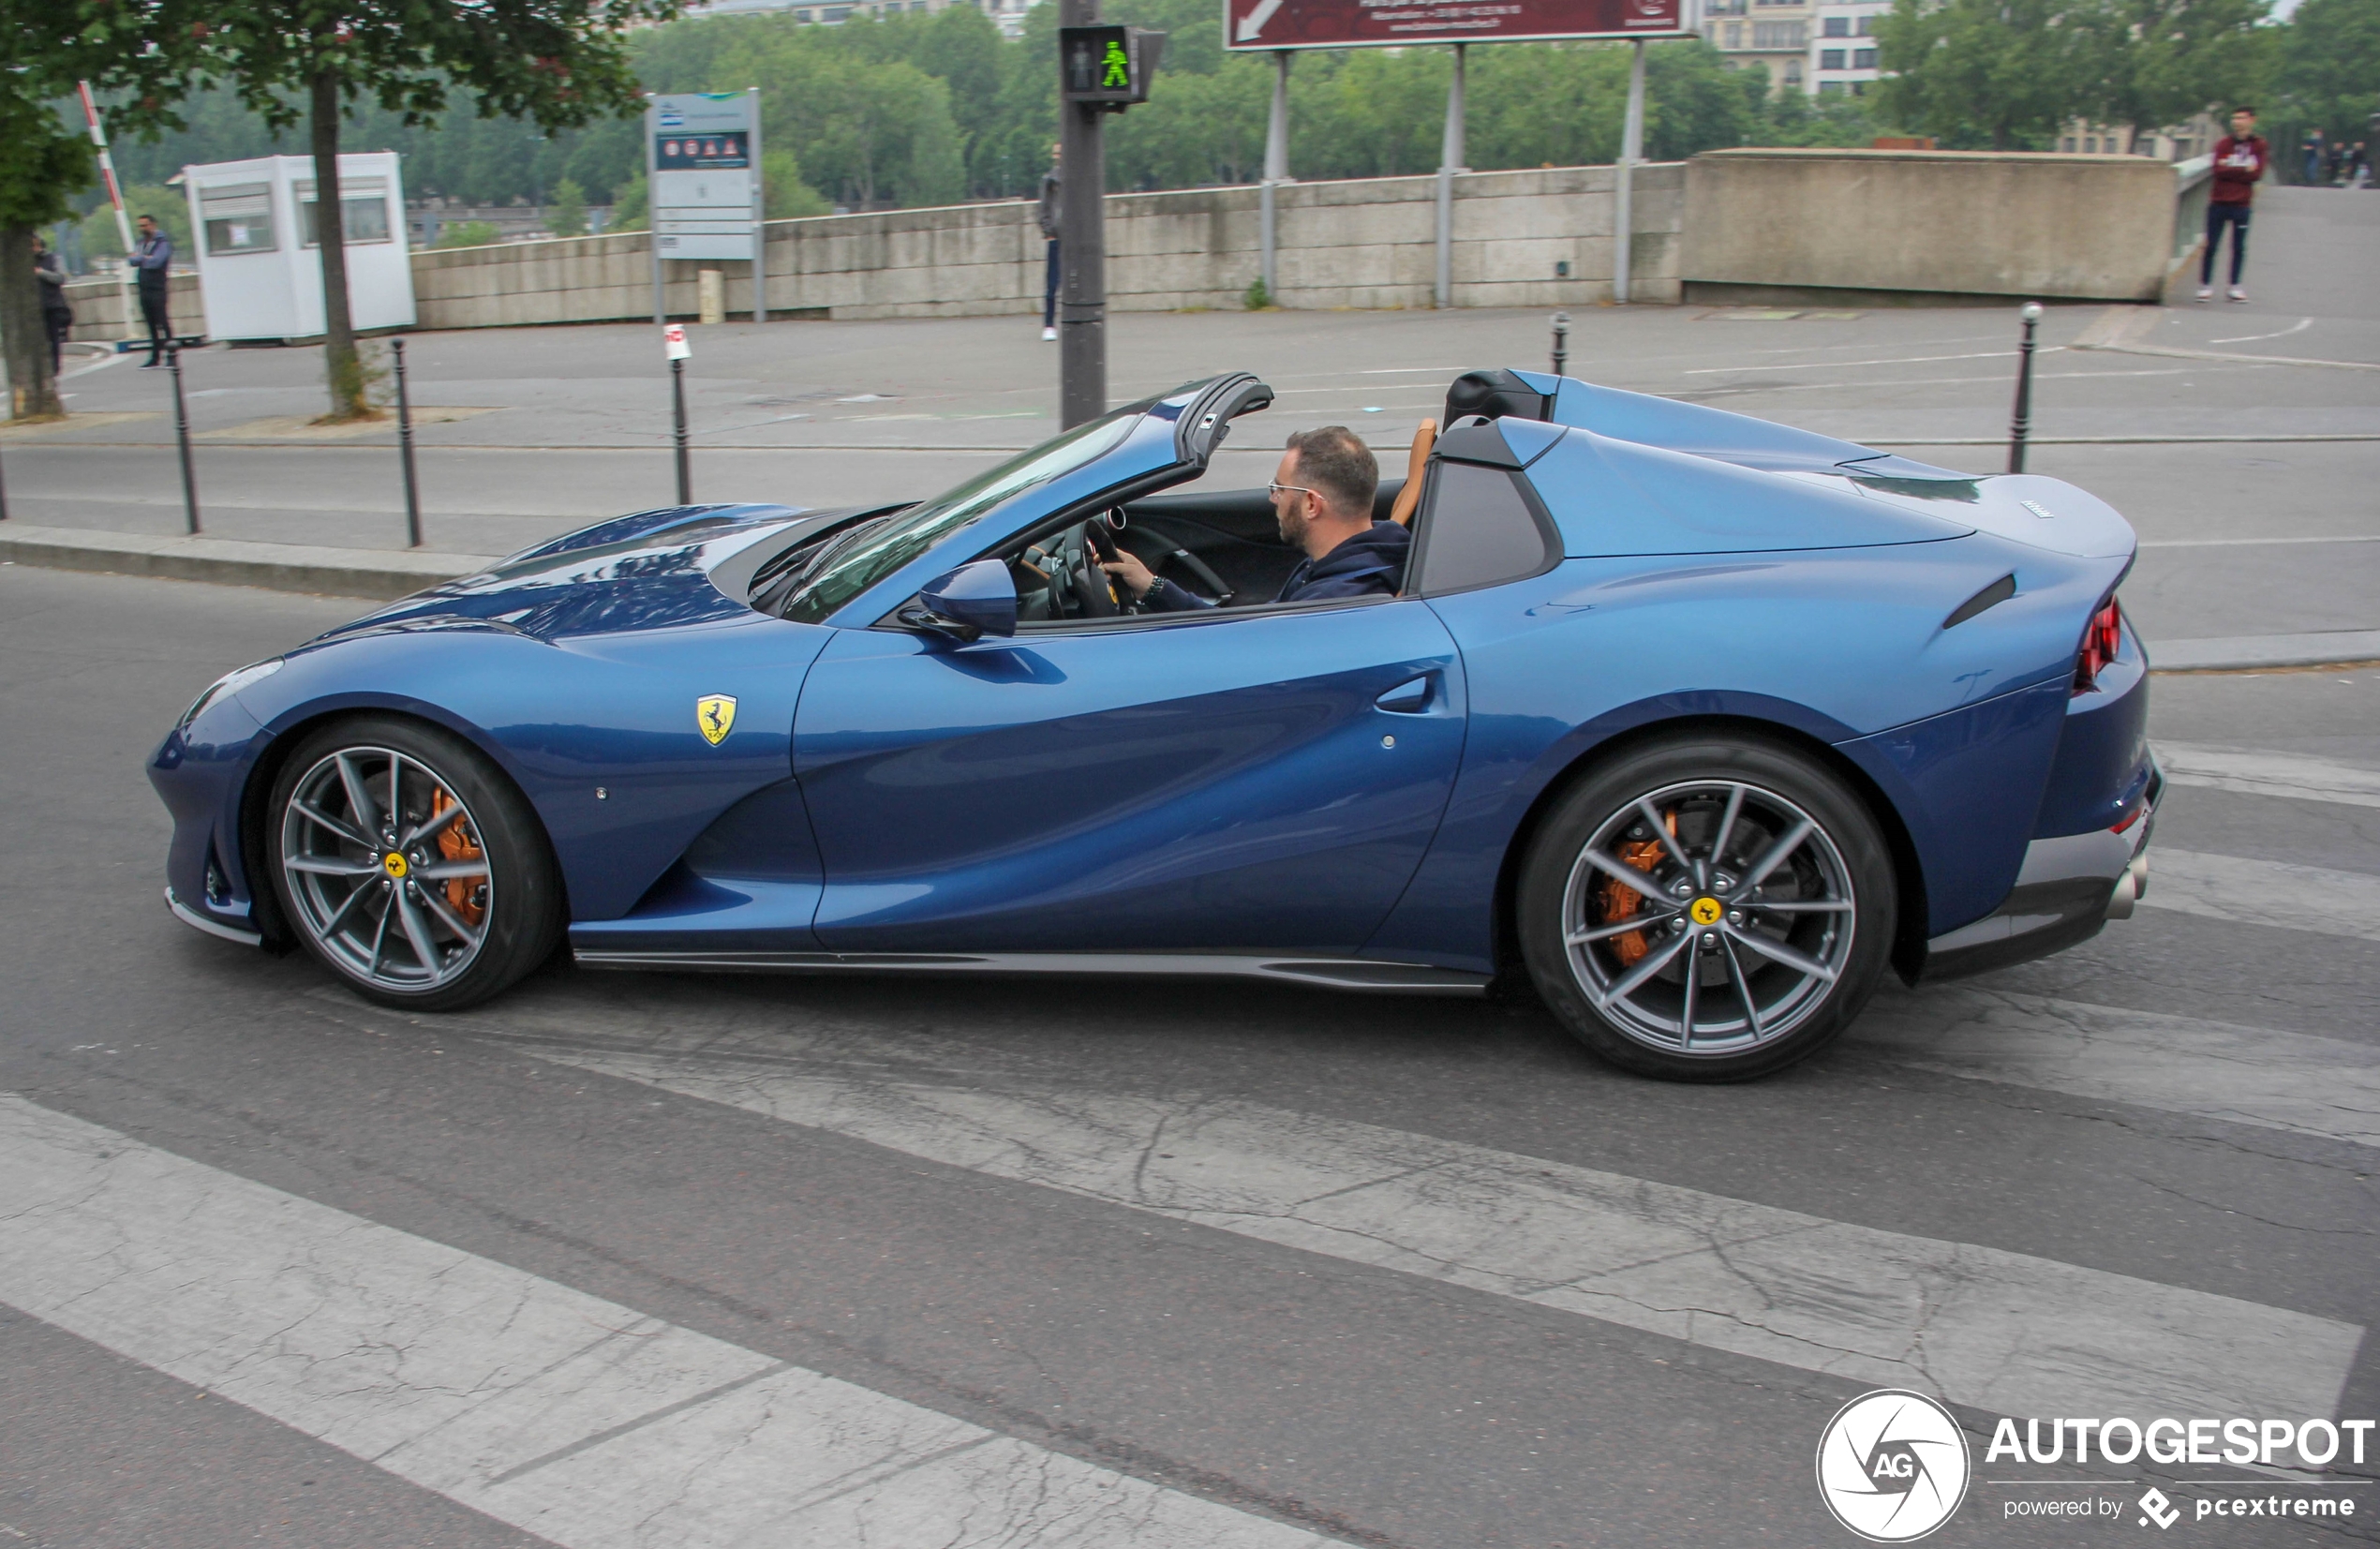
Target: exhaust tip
[[2126, 893]]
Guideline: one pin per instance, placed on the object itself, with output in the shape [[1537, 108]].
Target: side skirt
[[1322, 972]]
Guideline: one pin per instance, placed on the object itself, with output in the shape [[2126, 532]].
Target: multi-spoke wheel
[[407, 865], [1708, 911]]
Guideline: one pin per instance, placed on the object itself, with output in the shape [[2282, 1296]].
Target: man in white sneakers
[[2240, 160]]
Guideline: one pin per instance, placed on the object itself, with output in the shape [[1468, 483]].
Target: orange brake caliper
[[1620, 900], [456, 842]]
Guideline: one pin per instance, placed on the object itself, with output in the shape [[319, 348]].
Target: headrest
[[1495, 395]]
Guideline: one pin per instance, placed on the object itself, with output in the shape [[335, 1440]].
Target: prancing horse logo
[[715, 713]]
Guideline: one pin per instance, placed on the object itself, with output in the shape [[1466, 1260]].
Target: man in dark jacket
[[1322, 498], [57, 315], [153, 264], [1049, 228], [2240, 158]]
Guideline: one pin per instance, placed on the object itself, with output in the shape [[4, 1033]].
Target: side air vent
[[1990, 597]]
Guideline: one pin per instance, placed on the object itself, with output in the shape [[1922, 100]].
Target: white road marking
[[2265, 892], [2298, 327], [2260, 542], [2006, 1332], [2326, 1087], [1895, 360], [567, 1416], [2301, 777]]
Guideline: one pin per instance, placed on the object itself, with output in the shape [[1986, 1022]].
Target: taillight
[[2101, 639]]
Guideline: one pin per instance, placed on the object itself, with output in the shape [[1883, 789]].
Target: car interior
[[1222, 544]]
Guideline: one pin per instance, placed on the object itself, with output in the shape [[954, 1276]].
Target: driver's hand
[[1128, 569]]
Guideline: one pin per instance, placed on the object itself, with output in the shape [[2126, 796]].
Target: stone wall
[[1929, 223]]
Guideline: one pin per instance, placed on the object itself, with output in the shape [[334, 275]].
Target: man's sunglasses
[[1275, 489]]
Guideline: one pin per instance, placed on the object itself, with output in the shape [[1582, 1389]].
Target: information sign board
[[1276, 24], [702, 154]]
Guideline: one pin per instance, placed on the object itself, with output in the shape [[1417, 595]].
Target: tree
[[567, 216], [468, 233], [2329, 71], [1998, 73], [169, 209], [142, 46], [2151, 63], [560, 63]]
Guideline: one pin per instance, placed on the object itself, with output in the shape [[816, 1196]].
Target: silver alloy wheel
[[388, 869], [1708, 918]]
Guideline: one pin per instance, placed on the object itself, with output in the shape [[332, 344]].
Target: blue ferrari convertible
[[1695, 724]]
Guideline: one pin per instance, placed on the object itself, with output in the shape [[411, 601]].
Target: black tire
[[484, 929], [1830, 900]]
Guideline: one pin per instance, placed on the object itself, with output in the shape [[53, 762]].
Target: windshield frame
[[907, 537]]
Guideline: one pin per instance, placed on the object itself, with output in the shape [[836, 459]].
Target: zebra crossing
[[590, 1424]]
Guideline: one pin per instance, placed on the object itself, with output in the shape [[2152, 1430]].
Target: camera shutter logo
[[1892, 1466]]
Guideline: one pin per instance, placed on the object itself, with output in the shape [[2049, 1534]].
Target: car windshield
[[874, 552]]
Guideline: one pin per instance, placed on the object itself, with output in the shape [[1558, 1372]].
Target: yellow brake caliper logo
[[1705, 911], [715, 713]]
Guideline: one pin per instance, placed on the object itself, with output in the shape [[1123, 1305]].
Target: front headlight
[[231, 682]]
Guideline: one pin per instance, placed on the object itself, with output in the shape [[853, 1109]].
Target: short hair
[[1335, 460], [2244, 108]]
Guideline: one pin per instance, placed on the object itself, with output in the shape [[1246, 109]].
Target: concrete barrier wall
[[1368, 244], [1866, 225], [100, 309], [1916, 223]]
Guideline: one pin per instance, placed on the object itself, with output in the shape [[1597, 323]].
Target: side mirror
[[966, 605]]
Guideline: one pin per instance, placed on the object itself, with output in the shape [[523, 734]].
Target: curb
[[376, 573], [2249, 652]]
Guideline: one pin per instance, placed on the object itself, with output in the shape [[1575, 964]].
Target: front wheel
[[410, 866], [1707, 910]]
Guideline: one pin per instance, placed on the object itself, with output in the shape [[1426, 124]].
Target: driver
[[1322, 497]]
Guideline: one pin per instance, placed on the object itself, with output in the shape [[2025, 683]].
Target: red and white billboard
[[1270, 24]]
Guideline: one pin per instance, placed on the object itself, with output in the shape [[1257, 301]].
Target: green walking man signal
[[1107, 66]]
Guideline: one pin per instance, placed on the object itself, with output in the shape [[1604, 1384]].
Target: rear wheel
[[1707, 910], [410, 867]]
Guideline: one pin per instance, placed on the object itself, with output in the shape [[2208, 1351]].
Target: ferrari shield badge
[[715, 713]]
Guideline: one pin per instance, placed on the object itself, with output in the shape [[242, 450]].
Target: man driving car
[[1322, 497]]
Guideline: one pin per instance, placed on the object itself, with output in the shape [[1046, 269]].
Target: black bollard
[[3, 500], [685, 474], [2020, 425], [1561, 343], [182, 434], [404, 448]]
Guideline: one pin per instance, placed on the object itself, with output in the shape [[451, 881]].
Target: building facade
[[1842, 46], [1774, 33]]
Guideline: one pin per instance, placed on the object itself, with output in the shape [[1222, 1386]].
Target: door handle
[[1410, 698]]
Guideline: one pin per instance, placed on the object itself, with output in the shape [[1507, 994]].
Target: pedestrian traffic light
[[1109, 67]]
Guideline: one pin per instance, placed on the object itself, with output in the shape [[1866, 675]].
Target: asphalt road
[[889, 1262], [2247, 528]]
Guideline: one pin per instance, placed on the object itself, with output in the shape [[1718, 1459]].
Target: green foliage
[[166, 207], [2156, 62], [2327, 74], [567, 216], [468, 234], [628, 202], [1258, 299], [783, 194]]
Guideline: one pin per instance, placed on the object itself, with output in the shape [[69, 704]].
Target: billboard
[[1271, 24], [702, 152]]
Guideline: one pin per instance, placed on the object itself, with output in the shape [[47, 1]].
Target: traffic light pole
[[1082, 249]]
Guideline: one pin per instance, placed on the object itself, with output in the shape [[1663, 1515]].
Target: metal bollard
[[685, 474], [3, 500], [182, 434], [2020, 425], [405, 450], [1561, 343]]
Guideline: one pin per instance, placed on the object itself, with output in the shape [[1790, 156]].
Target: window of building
[[1863, 59], [1830, 59], [238, 218], [1736, 35], [2091, 145], [2067, 145], [1830, 88], [1867, 26], [1839, 26], [364, 204], [1780, 34], [1792, 73], [1859, 89]]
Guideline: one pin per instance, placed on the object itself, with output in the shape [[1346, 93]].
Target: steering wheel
[[1078, 589]]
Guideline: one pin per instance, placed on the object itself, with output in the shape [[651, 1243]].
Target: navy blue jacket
[[1371, 562]]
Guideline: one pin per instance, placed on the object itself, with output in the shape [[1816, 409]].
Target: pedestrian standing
[[2310, 158], [2240, 158], [57, 313], [151, 263], [1049, 228]]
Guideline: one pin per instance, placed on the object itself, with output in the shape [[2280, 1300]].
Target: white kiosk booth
[[260, 266]]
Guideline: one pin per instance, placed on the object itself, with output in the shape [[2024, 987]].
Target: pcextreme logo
[[1892, 1465]]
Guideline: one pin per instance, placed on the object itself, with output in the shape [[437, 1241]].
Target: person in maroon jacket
[[2240, 158]]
